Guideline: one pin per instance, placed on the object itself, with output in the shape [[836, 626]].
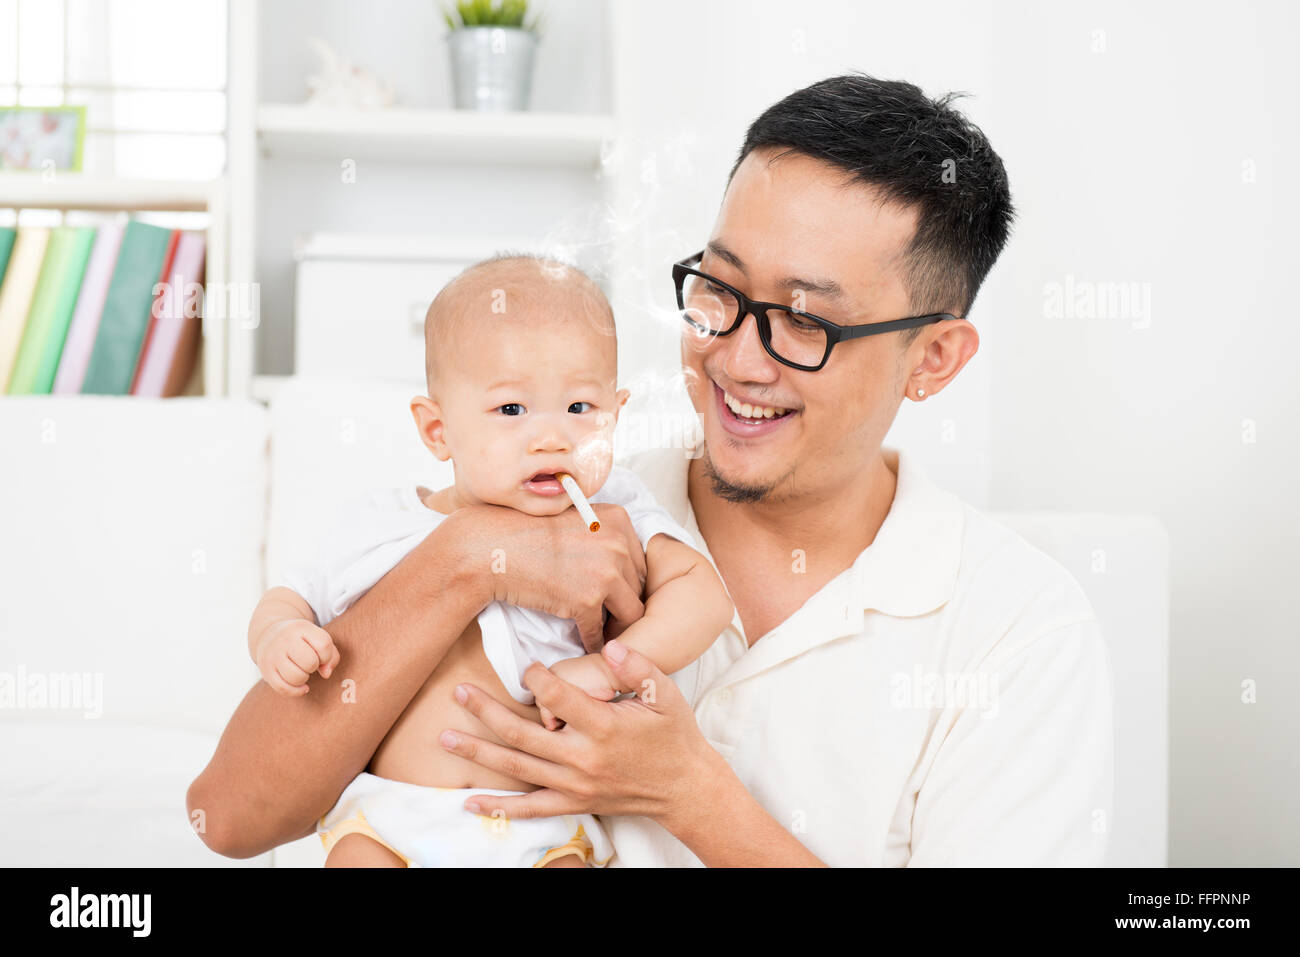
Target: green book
[[51, 311], [7, 236], [127, 308]]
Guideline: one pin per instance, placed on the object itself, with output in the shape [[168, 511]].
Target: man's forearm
[[724, 826], [282, 762]]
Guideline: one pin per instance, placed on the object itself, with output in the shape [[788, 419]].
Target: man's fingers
[[516, 732], [495, 757], [624, 603], [614, 518], [591, 628], [639, 673], [546, 802], [566, 701]]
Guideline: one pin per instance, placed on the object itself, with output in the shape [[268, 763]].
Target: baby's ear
[[621, 395], [429, 423]]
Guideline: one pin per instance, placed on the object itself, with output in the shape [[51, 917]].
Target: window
[[151, 74]]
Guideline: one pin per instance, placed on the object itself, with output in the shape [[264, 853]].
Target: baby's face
[[523, 398]]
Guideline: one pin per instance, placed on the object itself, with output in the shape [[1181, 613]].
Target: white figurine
[[341, 84]]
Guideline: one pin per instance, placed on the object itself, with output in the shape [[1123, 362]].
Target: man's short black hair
[[915, 151]]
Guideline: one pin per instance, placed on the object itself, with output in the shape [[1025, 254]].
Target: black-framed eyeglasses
[[792, 337]]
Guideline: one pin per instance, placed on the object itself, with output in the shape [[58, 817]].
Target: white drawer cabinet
[[360, 302]]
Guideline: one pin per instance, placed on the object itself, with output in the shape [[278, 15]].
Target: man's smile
[[748, 419]]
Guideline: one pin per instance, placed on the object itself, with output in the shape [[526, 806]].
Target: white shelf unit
[[265, 129], [448, 136], [72, 192]]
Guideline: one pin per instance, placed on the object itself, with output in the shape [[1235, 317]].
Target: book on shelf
[[7, 236], [110, 310], [90, 305], [51, 310], [16, 293], [172, 342], [141, 262]]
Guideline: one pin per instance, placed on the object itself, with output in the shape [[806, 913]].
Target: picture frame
[[42, 138]]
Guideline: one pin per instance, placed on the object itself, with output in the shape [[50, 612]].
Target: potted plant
[[491, 54]]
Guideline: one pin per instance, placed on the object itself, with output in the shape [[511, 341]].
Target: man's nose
[[743, 357]]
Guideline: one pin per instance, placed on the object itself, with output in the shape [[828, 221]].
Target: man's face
[[792, 232]]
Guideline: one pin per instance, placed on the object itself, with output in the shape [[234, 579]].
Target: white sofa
[[136, 535]]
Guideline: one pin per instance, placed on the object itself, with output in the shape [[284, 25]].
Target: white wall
[[1127, 165]]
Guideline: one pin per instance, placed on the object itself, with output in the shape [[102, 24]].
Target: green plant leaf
[[491, 13]]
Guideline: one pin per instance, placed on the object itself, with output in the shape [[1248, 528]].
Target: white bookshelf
[[447, 136], [68, 192]]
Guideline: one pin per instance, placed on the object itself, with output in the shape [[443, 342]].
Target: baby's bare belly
[[411, 751]]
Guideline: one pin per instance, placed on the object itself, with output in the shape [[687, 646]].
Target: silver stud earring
[[920, 394]]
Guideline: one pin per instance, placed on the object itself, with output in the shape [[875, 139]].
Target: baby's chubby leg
[[357, 850]]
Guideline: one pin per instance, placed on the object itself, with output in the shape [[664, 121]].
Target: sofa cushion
[[133, 536]]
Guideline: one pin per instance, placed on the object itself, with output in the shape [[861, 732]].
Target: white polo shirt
[[946, 700]]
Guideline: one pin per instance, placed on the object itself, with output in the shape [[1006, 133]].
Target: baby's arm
[[686, 609], [287, 644], [686, 606]]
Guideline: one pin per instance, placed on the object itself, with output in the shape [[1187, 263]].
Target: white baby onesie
[[380, 530]]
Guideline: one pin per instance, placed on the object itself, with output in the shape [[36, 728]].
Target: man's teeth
[[745, 410]]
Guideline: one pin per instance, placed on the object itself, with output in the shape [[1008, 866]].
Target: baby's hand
[[291, 650], [588, 672]]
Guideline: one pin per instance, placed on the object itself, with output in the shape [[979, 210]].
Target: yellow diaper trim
[[577, 846], [357, 824]]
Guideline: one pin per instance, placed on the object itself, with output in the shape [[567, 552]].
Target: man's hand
[[588, 672], [642, 755], [555, 565]]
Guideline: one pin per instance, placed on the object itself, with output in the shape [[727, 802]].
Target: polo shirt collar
[[911, 567], [909, 570]]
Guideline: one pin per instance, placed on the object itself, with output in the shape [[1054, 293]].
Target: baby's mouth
[[544, 483]]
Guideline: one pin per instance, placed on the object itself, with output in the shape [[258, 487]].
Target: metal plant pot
[[492, 67]]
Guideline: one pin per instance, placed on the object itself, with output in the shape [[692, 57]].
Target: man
[[905, 682]]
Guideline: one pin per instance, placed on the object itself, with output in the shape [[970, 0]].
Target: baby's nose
[[550, 436]]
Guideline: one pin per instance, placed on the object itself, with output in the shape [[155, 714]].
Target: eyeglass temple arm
[[877, 328]]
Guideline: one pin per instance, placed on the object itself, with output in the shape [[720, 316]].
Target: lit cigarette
[[579, 500]]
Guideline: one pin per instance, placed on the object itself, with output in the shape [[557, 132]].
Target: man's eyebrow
[[825, 287]]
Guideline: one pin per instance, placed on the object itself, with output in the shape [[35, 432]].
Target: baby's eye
[[577, 408], [510, 408]]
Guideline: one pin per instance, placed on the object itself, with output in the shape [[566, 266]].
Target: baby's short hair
[[491, 288]]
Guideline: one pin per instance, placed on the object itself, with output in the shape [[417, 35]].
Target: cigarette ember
[[579, 501]]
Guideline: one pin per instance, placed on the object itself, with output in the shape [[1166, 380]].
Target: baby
[[521, 362]]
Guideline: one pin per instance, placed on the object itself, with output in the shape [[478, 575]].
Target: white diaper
[[429, 827]]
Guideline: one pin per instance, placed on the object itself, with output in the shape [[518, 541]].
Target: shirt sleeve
[[648, 517], [368, 536], [1027, 781]]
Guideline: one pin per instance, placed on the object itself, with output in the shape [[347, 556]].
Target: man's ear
[[430, 424], [942, 357]]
